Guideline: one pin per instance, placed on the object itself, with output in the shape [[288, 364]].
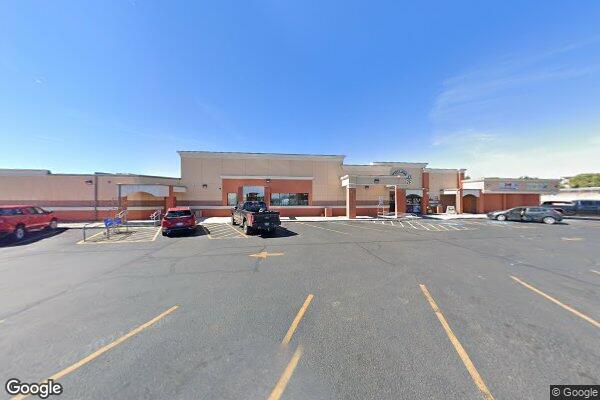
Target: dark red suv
[[178, 219], [20, 219]]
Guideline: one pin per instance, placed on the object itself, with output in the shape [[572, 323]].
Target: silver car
[[532, 214]]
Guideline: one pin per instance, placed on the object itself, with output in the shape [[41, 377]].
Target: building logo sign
[[404, 173], [508, 186]]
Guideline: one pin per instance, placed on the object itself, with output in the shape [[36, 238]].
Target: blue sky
[[503, 88]]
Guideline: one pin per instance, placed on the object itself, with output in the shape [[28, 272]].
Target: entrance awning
[[473, 192], [157, 190], [353, 181]]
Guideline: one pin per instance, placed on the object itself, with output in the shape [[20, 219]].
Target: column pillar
[[400, 201], [425, 201], [350, 202], [170, 201], [240, 194], [425, 197], [459, 192], [268, 196], [481, 203], [458, 202]]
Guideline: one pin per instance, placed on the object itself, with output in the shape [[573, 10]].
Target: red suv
[[18, 220], [178, 219]]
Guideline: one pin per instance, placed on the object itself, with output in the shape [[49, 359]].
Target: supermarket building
[[293, 184]]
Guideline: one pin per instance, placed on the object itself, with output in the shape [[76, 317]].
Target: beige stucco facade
[[294, 184]]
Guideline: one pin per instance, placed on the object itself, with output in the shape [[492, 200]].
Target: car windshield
[[178, 214], [255, 206]]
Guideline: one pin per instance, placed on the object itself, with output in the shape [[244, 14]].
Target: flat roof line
[[258, 154]]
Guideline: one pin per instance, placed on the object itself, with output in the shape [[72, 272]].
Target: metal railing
[[156, 217], [88, 226]]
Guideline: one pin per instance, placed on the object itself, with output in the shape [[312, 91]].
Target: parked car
[[531, 214], [17, 220], [178, 219], [255, 215], [576, 207]]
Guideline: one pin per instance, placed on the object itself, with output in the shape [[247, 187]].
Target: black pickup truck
[[575, 207], [254, 215]]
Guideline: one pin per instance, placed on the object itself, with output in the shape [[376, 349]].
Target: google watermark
[[575, 392], [43, 390]]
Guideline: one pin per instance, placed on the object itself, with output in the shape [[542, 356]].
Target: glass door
[[254, 193]]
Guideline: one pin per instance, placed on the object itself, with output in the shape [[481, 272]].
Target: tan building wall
[[207, 178], [203, 173], [78, 196], [440, 179]]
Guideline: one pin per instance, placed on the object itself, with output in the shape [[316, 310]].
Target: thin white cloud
[[478, 86], [465, 136], [525, 156]]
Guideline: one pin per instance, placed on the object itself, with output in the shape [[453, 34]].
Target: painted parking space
[[222, 231], [138, 234], [415, 225]]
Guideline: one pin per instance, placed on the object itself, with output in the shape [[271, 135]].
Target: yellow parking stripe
[[552, 299], [106, 348], [286, 375], [477, 379], [296, 321]]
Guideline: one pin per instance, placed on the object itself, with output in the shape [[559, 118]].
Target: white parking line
[[411, 225], [434, 227], [320, 227], [359, 227], [594, 271], [423, 226]]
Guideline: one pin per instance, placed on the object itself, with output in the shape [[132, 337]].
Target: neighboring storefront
[[293, 184]]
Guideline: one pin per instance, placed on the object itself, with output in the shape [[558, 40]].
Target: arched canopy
[[156, 190]]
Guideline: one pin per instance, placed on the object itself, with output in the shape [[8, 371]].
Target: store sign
[[404, 173], [508, 186]]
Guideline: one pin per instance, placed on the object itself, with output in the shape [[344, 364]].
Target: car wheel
[[164, 233], [19, 233], [501, 217], [245, 228], [232, 220], [549, 220], [53, 224]]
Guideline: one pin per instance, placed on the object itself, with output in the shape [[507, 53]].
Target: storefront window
[[289, 199], [254, 193], [231, 199]]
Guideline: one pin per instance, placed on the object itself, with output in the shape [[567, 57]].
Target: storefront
[[211, 183]]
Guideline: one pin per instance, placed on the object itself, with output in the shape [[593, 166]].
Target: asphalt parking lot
[[320, 310]]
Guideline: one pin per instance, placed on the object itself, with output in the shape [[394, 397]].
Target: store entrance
[[413, 204], [392, 201], [254, 193]]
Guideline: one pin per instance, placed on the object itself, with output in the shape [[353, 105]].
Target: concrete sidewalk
[[446, 217], [224, 220]]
